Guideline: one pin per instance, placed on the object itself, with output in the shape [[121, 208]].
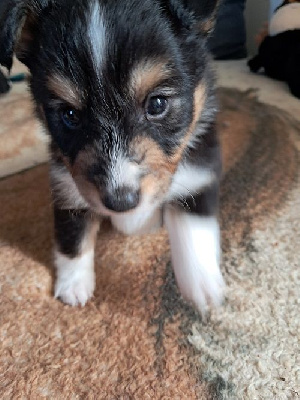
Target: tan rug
[[23, 142], [137, 339]]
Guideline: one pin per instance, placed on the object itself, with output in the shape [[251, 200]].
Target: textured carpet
[[137, 339]]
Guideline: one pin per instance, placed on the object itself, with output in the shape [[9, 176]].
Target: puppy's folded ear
[[17, 21], [197, 15]]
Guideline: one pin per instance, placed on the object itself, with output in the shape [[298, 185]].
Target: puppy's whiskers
[[189, 192], [182, 201]]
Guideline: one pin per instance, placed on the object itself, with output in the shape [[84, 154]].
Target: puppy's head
[[120, 86]]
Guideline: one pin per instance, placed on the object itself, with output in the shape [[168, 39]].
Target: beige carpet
[[23, 142], [137, 339]]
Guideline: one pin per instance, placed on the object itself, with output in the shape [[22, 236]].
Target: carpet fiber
[[137, 339]]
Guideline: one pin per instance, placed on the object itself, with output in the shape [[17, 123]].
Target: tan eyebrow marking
[[152, 150], [65, 90], [145, 76], [200, 95]]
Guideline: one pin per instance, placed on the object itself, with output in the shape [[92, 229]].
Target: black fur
[[279, 55], [69, 227]]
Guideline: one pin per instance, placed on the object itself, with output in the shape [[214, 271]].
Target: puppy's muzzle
[[122, 199]]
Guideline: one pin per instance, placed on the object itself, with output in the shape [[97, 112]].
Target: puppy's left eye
[[156, 106], [71, 118]]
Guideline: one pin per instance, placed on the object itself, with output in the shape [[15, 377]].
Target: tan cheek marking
[[161, 168], [78, 171], [58, 156], [146, 76], [65, 90], [90, 236], [148, 185], [84, 159], [199, 100]]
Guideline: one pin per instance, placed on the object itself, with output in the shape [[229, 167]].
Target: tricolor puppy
[[125, 91]]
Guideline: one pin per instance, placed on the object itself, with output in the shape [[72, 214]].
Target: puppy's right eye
[[71, 118], [156, 107]]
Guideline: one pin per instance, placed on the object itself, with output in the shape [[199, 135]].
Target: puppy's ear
[[198, 15], [17, 22]]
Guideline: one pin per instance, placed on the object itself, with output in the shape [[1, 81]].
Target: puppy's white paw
[[195, 255], [201, 283], [75, 282], [75, 292]]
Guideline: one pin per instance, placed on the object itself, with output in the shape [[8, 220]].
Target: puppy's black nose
[[122, 199]]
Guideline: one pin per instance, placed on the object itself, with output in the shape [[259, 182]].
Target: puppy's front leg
[[75, 233], [195, 247]]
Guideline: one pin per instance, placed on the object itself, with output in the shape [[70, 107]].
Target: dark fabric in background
[[4, 86], [229, 38]]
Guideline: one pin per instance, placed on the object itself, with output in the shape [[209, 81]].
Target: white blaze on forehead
[[97, 33]]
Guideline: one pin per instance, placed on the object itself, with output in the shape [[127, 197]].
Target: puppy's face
[[120, 91]]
